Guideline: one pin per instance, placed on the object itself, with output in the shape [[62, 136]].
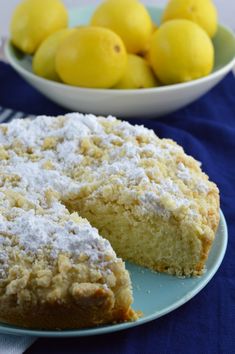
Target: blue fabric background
[[206, 324]]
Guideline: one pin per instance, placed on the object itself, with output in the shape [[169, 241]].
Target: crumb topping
[[48, 161]]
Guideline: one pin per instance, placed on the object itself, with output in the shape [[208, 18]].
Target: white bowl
[[152, 102]]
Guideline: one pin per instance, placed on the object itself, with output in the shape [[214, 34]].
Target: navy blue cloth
[[206, 324]]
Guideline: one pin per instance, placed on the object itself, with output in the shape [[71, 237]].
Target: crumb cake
[[76, 190]]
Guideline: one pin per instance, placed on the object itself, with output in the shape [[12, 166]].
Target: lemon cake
[[74, 190]]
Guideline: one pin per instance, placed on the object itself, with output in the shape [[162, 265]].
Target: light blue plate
[[155, 294]]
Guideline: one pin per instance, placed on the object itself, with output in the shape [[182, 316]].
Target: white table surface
[[226, 10]]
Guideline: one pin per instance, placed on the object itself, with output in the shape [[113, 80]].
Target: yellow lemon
[[129, 19], [181, 51], [34, 20], [203, 12], [154, 27], [91, 57], [44, 58], [145, 54], [138, 74]]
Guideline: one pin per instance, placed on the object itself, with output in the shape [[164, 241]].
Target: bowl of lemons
[[121, 57]]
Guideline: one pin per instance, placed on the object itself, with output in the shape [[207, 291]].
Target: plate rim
[[123, 326]]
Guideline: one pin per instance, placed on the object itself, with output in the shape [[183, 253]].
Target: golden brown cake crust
[[90, 309]]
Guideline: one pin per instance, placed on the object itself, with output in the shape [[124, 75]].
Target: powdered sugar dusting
[[39, 232], [68, 153]]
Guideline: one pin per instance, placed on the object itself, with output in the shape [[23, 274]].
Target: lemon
[[154, 27], [145, 54], [91, 57], [44, 58], [129, 19], [203, 12], [34, 20], [181, 51], [137, 75]]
